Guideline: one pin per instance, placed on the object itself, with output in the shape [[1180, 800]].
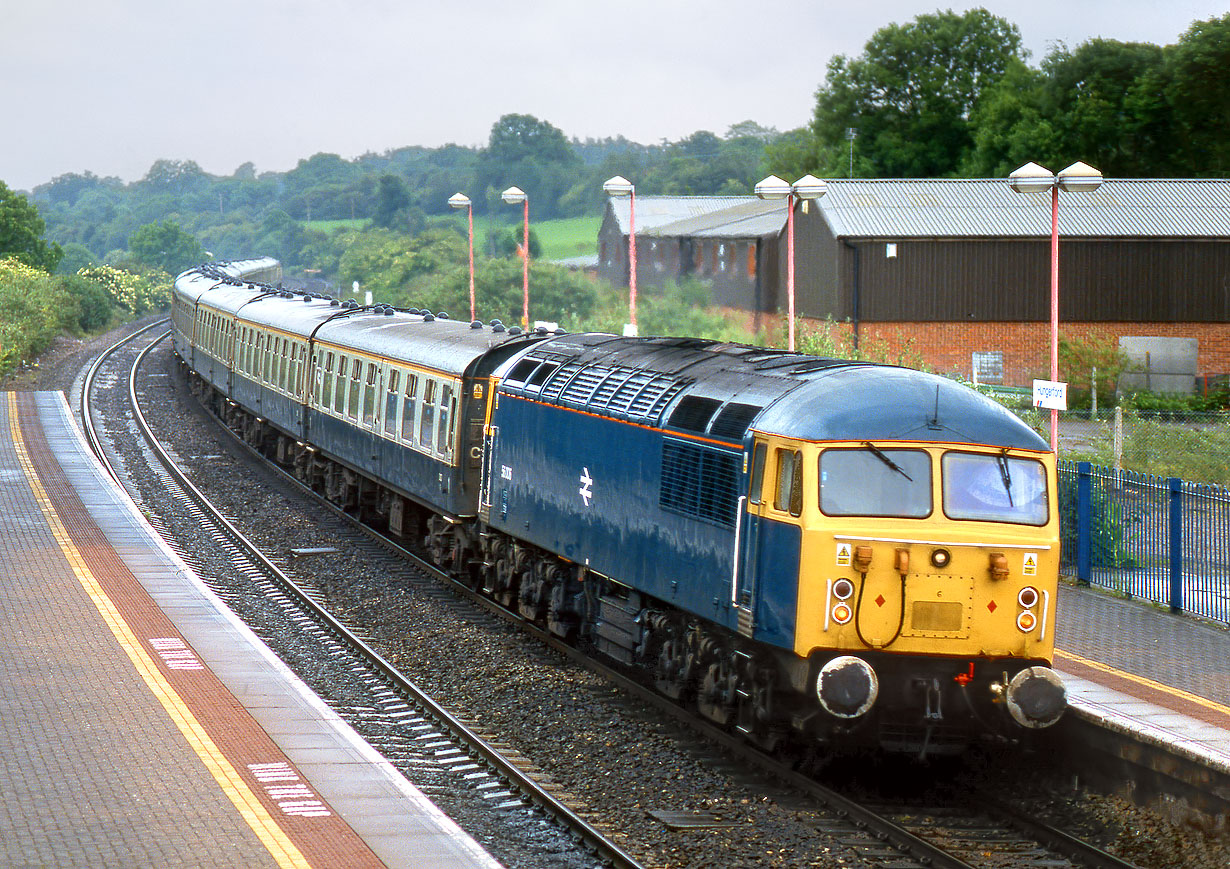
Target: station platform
[[141, 723], [1159, 678]]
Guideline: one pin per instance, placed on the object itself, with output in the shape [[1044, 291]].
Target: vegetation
[[952, 94]]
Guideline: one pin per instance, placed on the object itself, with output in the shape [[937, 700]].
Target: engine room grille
[[699, 481], [618, 391]]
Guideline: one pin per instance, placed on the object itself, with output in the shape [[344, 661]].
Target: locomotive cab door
[[749, 521]]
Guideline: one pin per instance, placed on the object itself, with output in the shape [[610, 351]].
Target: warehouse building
[[960, 269]]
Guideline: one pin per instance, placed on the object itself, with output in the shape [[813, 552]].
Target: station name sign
[[1051, 394]]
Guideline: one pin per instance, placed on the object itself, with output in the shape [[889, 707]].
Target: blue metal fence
[[1156, 538]]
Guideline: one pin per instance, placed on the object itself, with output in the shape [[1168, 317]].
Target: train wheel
[[440, 543]]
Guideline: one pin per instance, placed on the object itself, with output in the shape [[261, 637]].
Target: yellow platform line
[[1141, 680], [254, 813]]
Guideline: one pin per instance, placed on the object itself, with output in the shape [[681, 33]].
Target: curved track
[[954, 836], [498, 778]]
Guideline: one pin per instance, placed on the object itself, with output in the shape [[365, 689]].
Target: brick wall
[[947, 347]]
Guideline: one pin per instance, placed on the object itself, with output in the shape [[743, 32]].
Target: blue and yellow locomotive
[[805, 548]]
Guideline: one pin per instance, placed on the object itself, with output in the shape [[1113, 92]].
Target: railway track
[[946, 835], [415, 723]]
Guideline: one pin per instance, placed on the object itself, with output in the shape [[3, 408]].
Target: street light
[[807, 187], [516, 196], [460, 200], [621, 186], [1077, 178]]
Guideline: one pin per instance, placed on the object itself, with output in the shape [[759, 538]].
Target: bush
[[92, 302], [34, 308]]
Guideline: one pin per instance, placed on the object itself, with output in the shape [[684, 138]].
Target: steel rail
[[602, 847]]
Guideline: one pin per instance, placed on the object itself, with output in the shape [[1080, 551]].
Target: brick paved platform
[[124, 737], [1144, 671]]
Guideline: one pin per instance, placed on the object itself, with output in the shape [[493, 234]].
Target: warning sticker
[[843, 554], [1030, 565]]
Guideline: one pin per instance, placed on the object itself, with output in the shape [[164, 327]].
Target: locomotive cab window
[[994, 488], [870, 481], [760, 456], [789, 495]]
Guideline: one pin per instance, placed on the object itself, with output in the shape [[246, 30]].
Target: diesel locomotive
[[812, 550]]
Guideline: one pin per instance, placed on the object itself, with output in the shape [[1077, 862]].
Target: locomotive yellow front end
[[927, 586]]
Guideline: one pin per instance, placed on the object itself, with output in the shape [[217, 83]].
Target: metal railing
[[1157, 538]]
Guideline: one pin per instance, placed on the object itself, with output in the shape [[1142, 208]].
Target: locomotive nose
[[847, 687], [1036, 697]]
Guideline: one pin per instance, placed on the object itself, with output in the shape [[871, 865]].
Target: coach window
[[442, 431], [296, 356], [369, 398], [275, 363], [390, 403], [407, 408], [759, 458], [356, 380], [789, 495], [326, 382], [428, 415], [339, 388]]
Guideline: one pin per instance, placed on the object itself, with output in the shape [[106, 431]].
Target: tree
[[1198, 91], [166, 246], [21, 232], [525, 152], [392, 201], [912, 92]]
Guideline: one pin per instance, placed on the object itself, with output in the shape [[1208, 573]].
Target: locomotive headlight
[[842, 589], [1028, 597], [940, 557], [1026, 621], [842, 613]]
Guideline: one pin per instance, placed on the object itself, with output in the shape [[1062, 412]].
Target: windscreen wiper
[[1005, 476], [879, 454]]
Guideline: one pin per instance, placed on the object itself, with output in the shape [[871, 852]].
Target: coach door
[[748, 529]]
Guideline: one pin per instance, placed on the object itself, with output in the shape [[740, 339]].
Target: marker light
[[1028, 597], [842, 589], [1026, 621], [842, 613], [940, 557]]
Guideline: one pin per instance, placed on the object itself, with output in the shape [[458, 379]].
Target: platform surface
[[141, 723], [1142, 670]]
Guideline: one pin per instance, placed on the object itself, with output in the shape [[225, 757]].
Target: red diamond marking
[[991, 606], [880, 600]]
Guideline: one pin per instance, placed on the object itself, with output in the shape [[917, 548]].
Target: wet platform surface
[[142, 723]]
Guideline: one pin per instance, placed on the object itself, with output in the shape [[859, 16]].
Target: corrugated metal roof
[[1131, 208], [656, 211], [749, 218]]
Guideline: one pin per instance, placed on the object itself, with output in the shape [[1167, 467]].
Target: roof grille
[[613, 390], [732, 421]]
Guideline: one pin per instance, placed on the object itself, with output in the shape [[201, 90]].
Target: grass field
[[560, 239]]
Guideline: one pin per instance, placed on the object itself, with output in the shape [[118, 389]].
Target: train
[[814, 553]]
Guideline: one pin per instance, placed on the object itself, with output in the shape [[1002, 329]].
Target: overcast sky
[[110, 86]]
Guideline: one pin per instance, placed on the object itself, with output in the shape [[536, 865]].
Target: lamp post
[[1077, 178], [460, 200], [621, 186], [516, 196], [807, 187]]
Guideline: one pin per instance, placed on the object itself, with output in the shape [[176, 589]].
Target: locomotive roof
[[722, 389]]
